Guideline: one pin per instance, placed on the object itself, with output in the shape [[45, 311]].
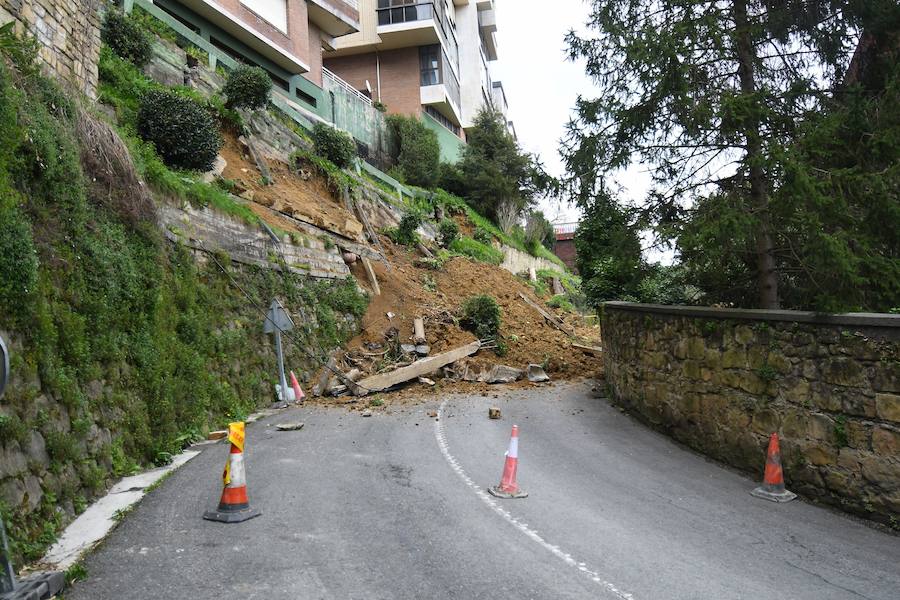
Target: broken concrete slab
[[423, 349], [290, 426], [377, 383], [217, 169], [407, 348], [504, 374], [536, 374], [419, 331]]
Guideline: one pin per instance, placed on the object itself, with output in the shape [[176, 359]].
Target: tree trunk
[[767, 277]]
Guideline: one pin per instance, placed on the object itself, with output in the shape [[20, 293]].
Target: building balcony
[[441, 98], [253, 35], [409, 25], [487, 28], [335, 17], [498, 95]]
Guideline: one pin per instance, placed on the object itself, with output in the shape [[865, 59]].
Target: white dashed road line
[[523, 527]]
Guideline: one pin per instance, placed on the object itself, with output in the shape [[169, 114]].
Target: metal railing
[[333, 78]]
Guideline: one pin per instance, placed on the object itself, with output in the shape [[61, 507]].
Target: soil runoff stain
[[507, 516]]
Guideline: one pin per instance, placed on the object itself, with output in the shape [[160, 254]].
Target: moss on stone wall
[[125, 347]]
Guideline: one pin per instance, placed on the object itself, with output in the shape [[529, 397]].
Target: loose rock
[[493, 413], [289, 426]]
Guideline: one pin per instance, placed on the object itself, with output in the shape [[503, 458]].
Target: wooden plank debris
[[589, 349], [370, 273], [377, 383], [547, 316]]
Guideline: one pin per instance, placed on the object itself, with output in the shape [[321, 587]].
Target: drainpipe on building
[[378, 74]]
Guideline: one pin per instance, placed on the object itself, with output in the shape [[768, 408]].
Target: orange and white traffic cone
[[508, 487], [298, 393], [773, 479], [234, 507]]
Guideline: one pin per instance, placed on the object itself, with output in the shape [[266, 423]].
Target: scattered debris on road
[[366, 413], [217, 435], [493, 413]]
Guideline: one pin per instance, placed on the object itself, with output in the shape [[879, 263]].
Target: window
[[437, 116], [273, 11], [430, 64]]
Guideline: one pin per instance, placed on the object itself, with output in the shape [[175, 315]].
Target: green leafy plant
[[126, 37], [562, 302], [481, 315], [333, 144], [448, 231], [405, 232], [182, 131], [483, 236], [840, 431], [247, 87], [481, 252]]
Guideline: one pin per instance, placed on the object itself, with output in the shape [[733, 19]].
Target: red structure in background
[[564, 247]]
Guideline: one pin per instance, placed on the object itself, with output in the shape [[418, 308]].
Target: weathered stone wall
[[68, 33], [722, 380], [516, 261], [206, 230]]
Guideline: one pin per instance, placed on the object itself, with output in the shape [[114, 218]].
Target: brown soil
[[529, 337], [304, 196]]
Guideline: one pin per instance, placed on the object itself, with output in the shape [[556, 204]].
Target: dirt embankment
[[409, 291]]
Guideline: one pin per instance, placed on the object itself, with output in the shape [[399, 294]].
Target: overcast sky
[[541, 85]]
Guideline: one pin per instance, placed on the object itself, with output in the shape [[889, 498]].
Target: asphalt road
[[394, 506]]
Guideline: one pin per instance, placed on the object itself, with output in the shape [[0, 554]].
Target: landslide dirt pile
[[299, 194], [410, 291]]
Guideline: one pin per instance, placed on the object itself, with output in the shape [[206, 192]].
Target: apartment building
[[285, 37], [428, 59]]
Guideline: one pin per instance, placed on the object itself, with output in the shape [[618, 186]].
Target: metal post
[[284, 388], [7, 576]]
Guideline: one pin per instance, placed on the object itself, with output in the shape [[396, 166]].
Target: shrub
[[481, 316], [405, 232], [481, 252], [127, 38], [333, 144], [483, 236], [247, 87], [449, 231], [562, 302], [418, 152], [183, 132]]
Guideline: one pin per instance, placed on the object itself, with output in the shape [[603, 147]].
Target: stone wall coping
[[746, 314]]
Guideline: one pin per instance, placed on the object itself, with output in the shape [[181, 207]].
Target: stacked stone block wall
[[722, 380], [68, 34]]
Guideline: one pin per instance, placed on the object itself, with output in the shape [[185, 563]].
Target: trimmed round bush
[[126, 37], [247, 87], [333, 144], [182, 130], [481, 316]]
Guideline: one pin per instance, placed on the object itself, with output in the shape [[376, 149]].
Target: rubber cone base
[[497, 492], [231, 516], [765, 494]]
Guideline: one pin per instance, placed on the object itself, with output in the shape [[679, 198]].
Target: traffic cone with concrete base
[[298, 393], [773, 480], [234, 507], [508, 487]]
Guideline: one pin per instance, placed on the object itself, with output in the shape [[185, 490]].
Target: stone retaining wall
[[68, 33], [722, 380], [210, 231]]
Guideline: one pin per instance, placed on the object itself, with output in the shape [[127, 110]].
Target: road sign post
[[277, 321]]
